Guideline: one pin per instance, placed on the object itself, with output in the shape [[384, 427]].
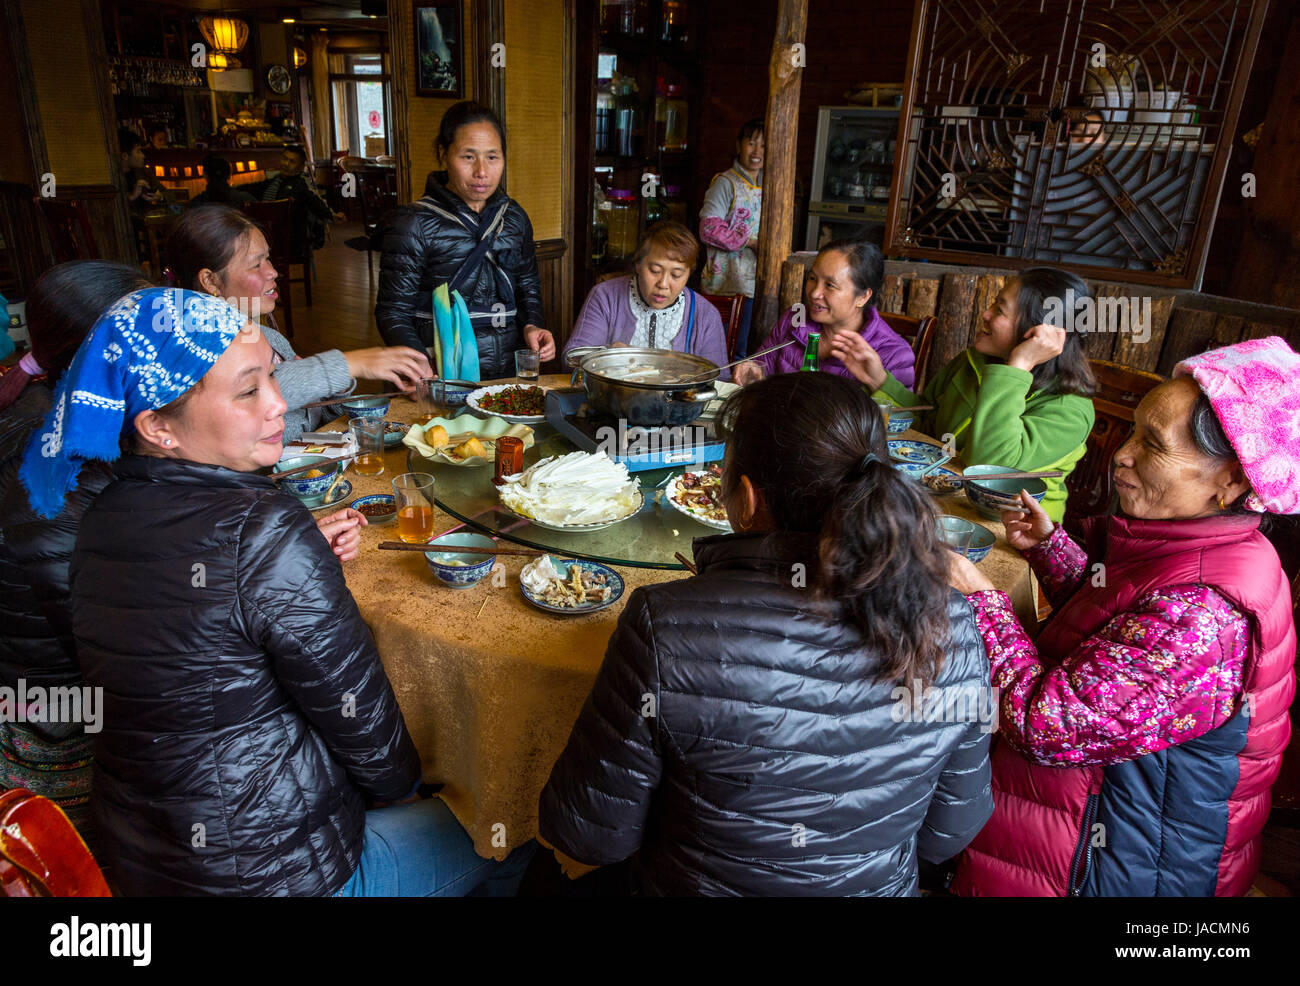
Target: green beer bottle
[[810, 359]]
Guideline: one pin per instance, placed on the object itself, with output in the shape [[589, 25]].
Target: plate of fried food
[[467, 441], [699, 496], [568, 586], [511, 402]]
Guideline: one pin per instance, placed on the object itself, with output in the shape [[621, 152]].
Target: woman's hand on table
[[342, 529], [860, 358], [746, 373], [964, 576], [1041, 343], [539, 341], [1029, 529], [399, 365]]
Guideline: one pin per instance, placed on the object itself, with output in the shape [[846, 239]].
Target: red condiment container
[[510, 458]]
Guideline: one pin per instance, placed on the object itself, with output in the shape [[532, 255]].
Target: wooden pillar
[[776, 232], [1270, 240], [321, 125]]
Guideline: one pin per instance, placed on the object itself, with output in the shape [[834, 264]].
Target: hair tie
[[861, 471]]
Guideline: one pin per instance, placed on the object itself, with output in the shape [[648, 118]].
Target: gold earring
[[1222, 506]]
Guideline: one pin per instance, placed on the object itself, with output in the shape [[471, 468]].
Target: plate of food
[[467, 441], [570, 587], [922, 452], [938, 480], [512, 402], [579, 492], [699, 496], [394, 432]]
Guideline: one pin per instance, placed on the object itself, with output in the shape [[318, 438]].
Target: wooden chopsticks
[[313, 465], [1051, 474], [456, 549], [348, 398]]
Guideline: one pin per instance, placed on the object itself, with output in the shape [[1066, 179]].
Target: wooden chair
[[69, 230], [276, 220], [1120, 390], [730, 307], [41, 853], [377, 200], [919, 332]]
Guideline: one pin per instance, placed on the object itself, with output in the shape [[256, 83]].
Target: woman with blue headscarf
[[246, 721]]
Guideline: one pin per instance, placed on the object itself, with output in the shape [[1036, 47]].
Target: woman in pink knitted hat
[[1141, 730]]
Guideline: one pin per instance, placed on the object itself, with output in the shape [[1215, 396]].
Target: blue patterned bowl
[[386, 500], [981, 543], [365, 407], [457, 569], [995, 495], [900, 420], [311, 491]]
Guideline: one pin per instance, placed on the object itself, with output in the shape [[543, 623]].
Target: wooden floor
[[342, 315]]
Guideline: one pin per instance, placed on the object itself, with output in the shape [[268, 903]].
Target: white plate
[[675, 487], [519, 419], [578, 528], [564, 565]]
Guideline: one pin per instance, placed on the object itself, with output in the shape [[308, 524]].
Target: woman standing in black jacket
[[467, 233], [804, 715], [51, 759], [247, 720]]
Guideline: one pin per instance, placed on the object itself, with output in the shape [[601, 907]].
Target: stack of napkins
[[568, 490], [330, 451]]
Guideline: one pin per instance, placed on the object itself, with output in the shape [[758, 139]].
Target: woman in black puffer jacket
[[430, 242], [753, 729], [51, 759], [247, 719]]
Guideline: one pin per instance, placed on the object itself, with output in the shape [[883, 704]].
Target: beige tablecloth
[[489, 686]]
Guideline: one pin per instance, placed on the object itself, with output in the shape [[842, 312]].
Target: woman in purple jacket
[[652, 308], [840, 294]]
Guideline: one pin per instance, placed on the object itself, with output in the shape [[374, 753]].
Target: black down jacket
[[35, 623], [735, 743], [246, 715], [423, 249]]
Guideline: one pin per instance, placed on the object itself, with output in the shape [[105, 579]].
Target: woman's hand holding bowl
[[1027, 529], [964, 576]]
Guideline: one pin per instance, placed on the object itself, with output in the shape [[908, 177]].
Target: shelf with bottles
[[646, 25]]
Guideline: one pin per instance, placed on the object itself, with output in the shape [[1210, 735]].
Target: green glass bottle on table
[[811, 361]]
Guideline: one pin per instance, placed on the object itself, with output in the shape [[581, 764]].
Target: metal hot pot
[[648, 387]]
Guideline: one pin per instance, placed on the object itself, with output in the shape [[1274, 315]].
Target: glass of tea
[[431, 399], [414, 492], [528, 365], [369, 436]]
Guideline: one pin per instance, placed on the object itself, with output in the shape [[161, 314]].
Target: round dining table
[[489, 685]]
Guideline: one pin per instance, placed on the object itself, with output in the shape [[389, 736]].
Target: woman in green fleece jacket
[[1020, 396]]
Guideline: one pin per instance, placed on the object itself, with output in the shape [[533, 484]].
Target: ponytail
[[814, 445]]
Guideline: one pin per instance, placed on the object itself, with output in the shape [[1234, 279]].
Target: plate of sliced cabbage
[[580, 491]]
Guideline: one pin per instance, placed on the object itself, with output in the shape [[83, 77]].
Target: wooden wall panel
[[535, 110]]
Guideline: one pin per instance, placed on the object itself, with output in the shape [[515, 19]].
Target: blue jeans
[[742, 332], [420, 850]]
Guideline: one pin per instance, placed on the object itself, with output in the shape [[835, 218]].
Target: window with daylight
[[1085, 135], [359, 102]]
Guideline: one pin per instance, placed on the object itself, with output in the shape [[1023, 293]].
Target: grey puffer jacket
[[246, 715], [735, 743], [422, 249]]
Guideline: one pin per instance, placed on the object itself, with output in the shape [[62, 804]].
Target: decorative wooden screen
[[1093, 136]]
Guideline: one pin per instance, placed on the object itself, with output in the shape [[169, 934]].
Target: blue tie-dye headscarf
[[143, 353]]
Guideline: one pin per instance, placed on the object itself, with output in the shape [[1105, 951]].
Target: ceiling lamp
[[219, 62], [299, 58], [226, 35]]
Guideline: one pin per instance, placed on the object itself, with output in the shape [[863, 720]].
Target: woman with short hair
[[652, 307], [1152, 709]]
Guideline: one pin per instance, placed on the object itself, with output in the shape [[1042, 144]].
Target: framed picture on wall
[[439, 65]]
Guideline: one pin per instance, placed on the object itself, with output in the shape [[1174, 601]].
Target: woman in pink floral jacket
[[1141, 731], [729, 220]]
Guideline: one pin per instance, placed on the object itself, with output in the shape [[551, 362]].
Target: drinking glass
[[431, 397], [414, 493], [955, 532], [885, 406], [369, 436], [528, 364]]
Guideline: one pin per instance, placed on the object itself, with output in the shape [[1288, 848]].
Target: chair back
[[1119, 391], [69, 230], [730, 307], [377, 200], [41, 853], [919, 333], [276, 220]]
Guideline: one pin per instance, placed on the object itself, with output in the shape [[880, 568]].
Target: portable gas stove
[[639, 449]]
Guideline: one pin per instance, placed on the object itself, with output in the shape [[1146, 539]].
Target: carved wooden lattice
[[991, 172]]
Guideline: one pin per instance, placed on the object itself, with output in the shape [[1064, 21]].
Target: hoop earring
[[1222, 505]]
